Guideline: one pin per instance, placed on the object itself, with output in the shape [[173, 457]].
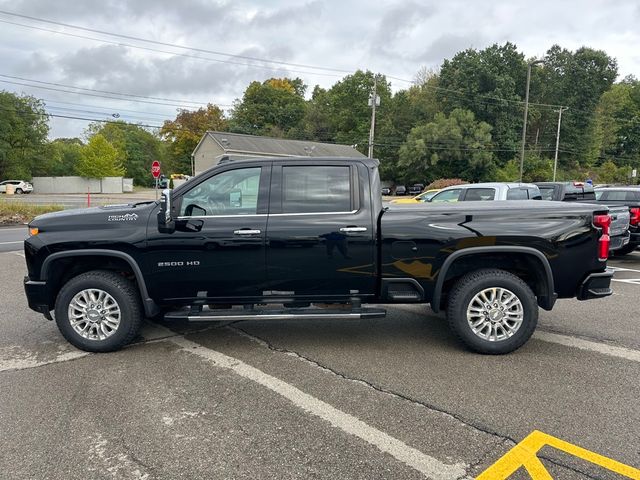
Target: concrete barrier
[[79, 185]]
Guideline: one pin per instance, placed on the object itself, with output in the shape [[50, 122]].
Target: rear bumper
[[619, 241], [596, 285], [38, 296]]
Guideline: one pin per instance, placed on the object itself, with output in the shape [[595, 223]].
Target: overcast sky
[[396, 38]]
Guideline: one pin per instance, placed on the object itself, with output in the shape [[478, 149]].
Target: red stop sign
[[155, 169]]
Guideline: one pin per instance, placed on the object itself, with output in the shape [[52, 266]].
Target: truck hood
[[106, 217]]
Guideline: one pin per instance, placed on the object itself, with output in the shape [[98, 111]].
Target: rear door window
[[517, 194], [479, 194], [313, 189]]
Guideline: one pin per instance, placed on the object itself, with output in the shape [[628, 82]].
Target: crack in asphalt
[[504, 439]]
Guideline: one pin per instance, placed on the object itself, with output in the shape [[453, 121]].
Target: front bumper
[[596, 285], [38, 296]]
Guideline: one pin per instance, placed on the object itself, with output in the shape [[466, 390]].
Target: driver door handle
[[246, 231], [353, 229]]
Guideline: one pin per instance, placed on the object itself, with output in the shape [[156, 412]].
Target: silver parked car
[[488, 191], [20, 186]]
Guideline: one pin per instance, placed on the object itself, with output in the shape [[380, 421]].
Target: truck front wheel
[[492, 311], [99, 311]]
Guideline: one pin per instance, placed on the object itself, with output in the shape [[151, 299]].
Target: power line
[[101, 91], [121, 44], [94, 94], [173, 45]]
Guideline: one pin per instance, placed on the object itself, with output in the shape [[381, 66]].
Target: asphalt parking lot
[[387, 398]]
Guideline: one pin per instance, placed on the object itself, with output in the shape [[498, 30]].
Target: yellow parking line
[[524, 455]]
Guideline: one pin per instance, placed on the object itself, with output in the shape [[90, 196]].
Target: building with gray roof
[[215, 145]]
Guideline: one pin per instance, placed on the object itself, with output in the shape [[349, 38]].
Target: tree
[[23, 132], [274, 107], [453, 146], [576, 80], [138, 148], [99, 158], [615, 128], [65, 154], [184, 133], [490, 83]]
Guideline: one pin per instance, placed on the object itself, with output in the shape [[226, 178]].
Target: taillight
[[635, 216], [603, 222]]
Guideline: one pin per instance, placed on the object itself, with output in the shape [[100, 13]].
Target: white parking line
[[633, 281], [425, 464], [603, 348], [16, 360], [7, 243]]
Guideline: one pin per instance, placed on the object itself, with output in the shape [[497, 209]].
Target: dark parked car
[[566, 191], [401, 190], [385, 191], [629, 197], [416, 189], [266, 238], [581, 192]]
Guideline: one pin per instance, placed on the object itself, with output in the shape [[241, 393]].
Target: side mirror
[[166, 223]]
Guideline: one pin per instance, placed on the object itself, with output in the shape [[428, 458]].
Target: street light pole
[[555, 160], [526, 112]]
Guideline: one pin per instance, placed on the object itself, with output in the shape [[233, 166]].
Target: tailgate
[[619, 220]]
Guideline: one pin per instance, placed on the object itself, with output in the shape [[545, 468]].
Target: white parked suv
[[487, 191], [20, 186]]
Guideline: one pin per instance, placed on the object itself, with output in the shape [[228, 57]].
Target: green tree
[[274, 108], [576, 80], [98, 158], [342, 113], [138, 148], [23, 133], [184, 133], [453, 146], [490, 83], [615, 127], [65, 154]]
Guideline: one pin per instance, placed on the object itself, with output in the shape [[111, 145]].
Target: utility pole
[[555, 161], [374, 101], [526, 112]]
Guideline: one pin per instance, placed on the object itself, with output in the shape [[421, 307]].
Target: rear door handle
[[246, 231], [353, 229]]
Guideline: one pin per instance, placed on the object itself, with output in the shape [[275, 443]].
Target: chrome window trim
[[352, 212], [223, 216], [312, 213]]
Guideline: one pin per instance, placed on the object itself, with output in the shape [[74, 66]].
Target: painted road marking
[[524, 455], [423, 463], [633, 281], [603, 348], [17, 358], [624, 269], [7, 243]]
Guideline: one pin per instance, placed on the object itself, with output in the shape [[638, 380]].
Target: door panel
[[219, 243], [319, 239]]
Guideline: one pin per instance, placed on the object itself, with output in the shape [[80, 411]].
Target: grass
[[19, 212]]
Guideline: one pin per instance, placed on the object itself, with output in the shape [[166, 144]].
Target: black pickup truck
[[285, 238]]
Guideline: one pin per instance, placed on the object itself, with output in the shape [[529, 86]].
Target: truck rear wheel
[[99, 311], [492, 311]]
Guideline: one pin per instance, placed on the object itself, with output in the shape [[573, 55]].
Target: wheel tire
[[626, 250], [122, 291], [18, 191], [465, 291]]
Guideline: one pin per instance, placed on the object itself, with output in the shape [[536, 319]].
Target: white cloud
[[394, 37]]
